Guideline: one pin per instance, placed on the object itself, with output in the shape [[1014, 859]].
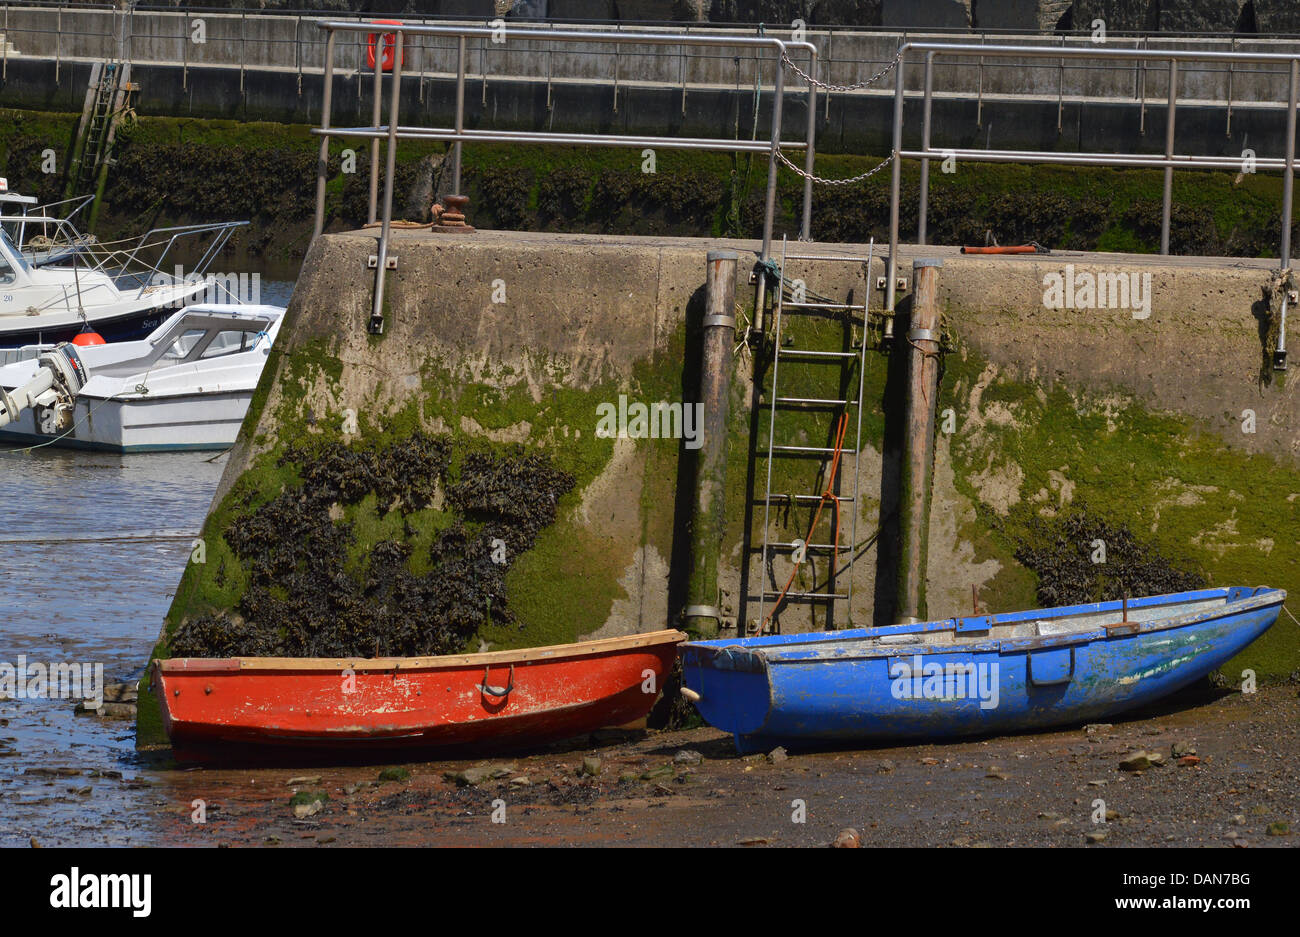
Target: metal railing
[[132, 263], [457, 135], [1168, 160]]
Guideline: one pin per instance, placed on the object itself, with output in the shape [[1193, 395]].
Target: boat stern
[[728, 684]]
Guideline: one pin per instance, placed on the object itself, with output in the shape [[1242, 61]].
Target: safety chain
[[807, 175], [785, 57]]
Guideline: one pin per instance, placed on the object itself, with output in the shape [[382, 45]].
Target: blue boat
[[980, 675]]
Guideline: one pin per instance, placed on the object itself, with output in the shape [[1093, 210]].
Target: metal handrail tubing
[[1094, 159], [577, 139], [1056, 52]]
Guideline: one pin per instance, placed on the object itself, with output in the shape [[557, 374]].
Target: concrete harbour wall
[[501, 339]]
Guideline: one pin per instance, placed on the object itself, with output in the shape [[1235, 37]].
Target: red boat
[[499, 699]]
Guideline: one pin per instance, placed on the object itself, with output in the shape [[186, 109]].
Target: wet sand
[[1028, 790]]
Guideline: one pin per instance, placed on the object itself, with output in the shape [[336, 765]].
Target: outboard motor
[[51, 392]]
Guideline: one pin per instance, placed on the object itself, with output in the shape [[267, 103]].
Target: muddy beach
[[1231, 764]]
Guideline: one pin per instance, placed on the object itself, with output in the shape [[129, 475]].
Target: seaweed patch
[[318, 589], [1081, 558]]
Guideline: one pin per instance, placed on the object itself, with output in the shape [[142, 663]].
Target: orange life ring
[[390, 46]]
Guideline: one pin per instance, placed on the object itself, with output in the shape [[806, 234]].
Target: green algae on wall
[[1024, 452]]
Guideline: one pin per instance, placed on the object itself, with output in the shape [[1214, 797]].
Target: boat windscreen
[[11, 253]]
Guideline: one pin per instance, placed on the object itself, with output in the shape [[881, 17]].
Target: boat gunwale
[[801, 652], [547, 653]]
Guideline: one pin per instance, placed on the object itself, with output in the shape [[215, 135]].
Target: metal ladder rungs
[[812, 498], [789, 545], [831, 257], [812, 450], [768, 594], [776, 400], [809, 353], [820, 401], [821, 306]]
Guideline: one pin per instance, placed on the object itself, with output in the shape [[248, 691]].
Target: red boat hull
[[501, 699]]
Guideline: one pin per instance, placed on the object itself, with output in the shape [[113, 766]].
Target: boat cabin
[[197, 334]]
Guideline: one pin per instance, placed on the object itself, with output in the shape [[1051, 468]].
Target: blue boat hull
[[970, 676]]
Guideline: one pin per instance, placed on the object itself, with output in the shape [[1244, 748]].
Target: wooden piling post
[[918, 440], [702, 615]]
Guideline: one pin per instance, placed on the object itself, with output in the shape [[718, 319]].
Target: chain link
[[807, 175], [785, 57]]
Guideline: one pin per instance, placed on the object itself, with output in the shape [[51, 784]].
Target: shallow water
[[92, 546]]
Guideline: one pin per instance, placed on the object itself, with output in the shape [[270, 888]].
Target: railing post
[[322, 161], [895, 184], [1288, 178], [460, 114], [925, 145], [805, 230], [372, 212], [390, 167], [1167, 201], [777, 102]]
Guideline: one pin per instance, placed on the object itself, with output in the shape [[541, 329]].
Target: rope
[[785, 57], [399, 224], [90, 411], [827, 495], [1289, 615]]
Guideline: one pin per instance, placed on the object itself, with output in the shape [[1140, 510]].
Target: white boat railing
[[132, 265]]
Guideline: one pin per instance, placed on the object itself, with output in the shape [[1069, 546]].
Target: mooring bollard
[[918, 440], [702, 615], [452, 217]]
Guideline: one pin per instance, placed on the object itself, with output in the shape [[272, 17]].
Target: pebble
[[777, 755], [688, 756], [394, 774], [305, 781], [884, 766], [1139, 761], [469, 777], [1096, 836], [1096, 728], [590, 767], [847, 839]]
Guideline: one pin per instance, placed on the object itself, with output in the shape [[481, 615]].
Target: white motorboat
[[185, 386], [118, 293]]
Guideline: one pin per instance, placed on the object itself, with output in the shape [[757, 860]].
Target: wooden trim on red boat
[[392, 664]]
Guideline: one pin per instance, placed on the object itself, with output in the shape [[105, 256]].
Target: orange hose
[[827, 495]]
